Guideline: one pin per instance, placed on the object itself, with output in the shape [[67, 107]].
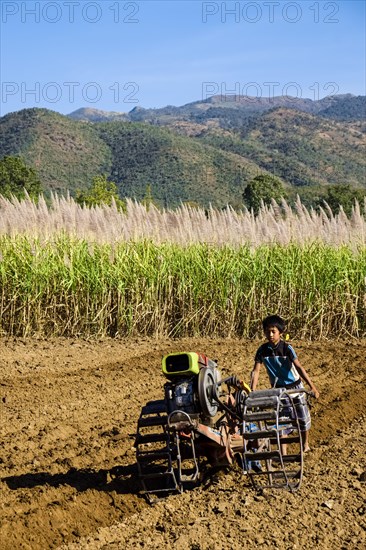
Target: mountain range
[[346, 107], [203, 152]]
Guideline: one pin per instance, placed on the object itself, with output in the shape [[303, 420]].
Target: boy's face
[[273, 335]]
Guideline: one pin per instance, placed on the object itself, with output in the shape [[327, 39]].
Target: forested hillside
[[205, 152], [65, 153], [301, 149], [176, 167]]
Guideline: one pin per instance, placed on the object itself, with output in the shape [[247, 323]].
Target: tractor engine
[[182, 396], [192, 379]]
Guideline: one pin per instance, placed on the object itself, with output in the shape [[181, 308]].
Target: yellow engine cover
[[182, 364]]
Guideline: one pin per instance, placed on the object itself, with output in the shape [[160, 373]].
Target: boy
[[284, 370]]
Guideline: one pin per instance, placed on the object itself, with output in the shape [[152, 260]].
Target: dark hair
[[274, 321]]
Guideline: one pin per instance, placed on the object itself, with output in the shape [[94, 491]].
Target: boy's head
[[273, 327], [274, 321]]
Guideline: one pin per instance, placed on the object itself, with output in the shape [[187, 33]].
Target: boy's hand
[[315, 393]]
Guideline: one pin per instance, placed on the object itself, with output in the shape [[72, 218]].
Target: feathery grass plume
[[276, 223]]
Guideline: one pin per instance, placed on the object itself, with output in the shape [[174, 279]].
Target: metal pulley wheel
[[208, 391], [240, 397]]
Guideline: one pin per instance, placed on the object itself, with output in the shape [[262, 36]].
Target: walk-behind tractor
[[207, 422]]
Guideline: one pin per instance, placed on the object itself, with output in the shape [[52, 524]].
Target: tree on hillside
[[343, 195], [148, 199], [101, 192], [16, 178], [263, 188]]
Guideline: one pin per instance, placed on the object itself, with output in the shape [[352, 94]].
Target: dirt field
[[68, 476]]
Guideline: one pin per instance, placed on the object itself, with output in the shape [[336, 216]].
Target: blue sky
[[115, 55]]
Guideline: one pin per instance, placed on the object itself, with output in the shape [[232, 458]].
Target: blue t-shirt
[[278, 361]]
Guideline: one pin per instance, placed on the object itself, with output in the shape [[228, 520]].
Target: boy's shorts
[[301, 407]]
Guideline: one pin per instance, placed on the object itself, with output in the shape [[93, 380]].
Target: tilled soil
[[67, 464]]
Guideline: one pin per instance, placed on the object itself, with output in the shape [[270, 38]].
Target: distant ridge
[[96, 115], [338, 107]]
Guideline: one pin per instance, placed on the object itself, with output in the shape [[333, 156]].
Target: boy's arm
[[304, 375], [254, 376]]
